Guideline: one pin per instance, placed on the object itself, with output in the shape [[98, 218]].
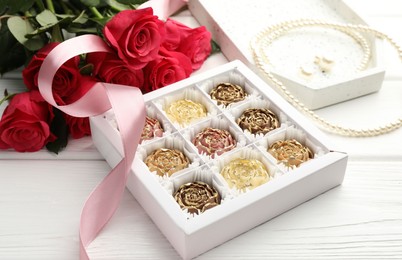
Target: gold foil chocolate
[[152, 129], [185, 111], [166, 161], [290, 152], [227, 93], [245, 174], [213, 141], [197, 197], [258, 120]]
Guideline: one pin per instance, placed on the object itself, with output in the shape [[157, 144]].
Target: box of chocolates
[[319, 64], [221, 153]]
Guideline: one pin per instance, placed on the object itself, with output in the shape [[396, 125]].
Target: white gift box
[[233, 23], [191, 235]]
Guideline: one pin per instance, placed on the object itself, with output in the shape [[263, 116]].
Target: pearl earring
[[324, 62], [307, 71]]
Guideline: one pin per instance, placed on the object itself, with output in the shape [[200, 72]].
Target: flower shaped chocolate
[[290, 152], [166, 161], [185, 111], [245, 174], [197, 197], [213, 141], [227, 93], [151, 129], [258, 120]]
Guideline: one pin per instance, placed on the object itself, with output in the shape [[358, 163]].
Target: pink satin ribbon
[[128, 106], [164, 8]]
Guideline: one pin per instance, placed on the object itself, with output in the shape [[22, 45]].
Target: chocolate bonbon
[[227, 93], [290, 152], [258, 120], [152, 129], [184, 111], [211, 141], [244, 174], [197, 197], [166, 161]]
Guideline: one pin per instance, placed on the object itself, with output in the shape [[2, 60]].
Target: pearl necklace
[[266, 36]]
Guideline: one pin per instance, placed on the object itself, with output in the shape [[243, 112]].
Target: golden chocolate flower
[[166, 161], [227, 93], [184, 111], [151, 129], [290, 152], [258, 120], [213, 141], [245, 174], [197, 197]]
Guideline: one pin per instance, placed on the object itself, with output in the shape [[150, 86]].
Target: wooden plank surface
[[361, 219], [41, 195]]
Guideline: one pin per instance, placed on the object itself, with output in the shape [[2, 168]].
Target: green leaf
[[91, 3], [47, 27], [20, 28], [47, 18], [59, 128], [38, 31], [215, 47], [87, 69], [81, 19], [64, 16], [7, 96], [101, 21], [117, 5], [132, 2], [81, 30], [15, 6], [12, 53]]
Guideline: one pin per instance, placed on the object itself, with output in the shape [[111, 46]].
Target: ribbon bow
[[164, 8], [128, 106]]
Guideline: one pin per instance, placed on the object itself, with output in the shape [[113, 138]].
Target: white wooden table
[[41, 194]]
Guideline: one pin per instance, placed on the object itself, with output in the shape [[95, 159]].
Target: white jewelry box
[[233, 27], [238, 212]]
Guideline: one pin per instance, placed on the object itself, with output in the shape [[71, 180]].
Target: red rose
[[78, 126], [175, 32], [30, 73], [84, 84], [64, 82], [24, 125], [194, 43], [136, 36], [169, 68], [197, 46], [109, 68]]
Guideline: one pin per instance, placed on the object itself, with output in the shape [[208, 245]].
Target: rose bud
[[195, 43], [66, 82], [109, 68], [168, 68], [24, 125], [136, 35]]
